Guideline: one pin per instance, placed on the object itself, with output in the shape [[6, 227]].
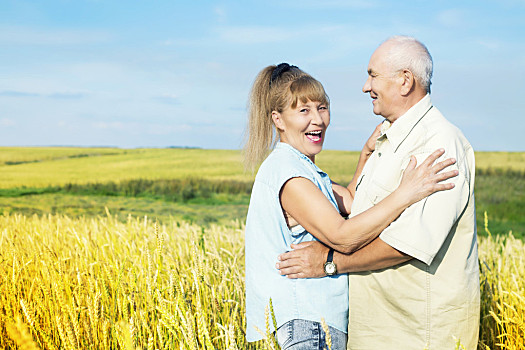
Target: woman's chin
[[315, 149]]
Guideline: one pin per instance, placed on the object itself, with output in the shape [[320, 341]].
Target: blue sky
[[178, 73]]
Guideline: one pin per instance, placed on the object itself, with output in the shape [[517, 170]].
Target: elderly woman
[[294, 201]]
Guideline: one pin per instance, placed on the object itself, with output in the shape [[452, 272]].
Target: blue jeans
[[308, 335]]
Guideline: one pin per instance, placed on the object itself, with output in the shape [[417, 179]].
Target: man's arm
[[377, 255], [307, 259]]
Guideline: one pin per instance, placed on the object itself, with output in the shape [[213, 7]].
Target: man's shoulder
[[436, 121], [439, 131]]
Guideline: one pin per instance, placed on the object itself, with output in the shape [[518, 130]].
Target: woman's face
[[304, 126]]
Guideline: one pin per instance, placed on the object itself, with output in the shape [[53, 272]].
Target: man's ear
[[408, 83], [276, 117]]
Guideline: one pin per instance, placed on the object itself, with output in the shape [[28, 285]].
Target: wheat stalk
[[328, 337], [19, 333]]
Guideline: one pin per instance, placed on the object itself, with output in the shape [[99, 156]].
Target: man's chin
[[376, 112]]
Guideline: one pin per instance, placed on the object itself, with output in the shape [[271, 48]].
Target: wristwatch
[[329, 266]]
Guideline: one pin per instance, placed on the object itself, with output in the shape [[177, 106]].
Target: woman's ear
[[276, 117], [408, 83]]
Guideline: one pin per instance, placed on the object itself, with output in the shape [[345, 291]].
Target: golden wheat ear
[[327, 331], [19, 333]]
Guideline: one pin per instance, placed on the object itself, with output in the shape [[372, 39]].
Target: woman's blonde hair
[[275, 89]]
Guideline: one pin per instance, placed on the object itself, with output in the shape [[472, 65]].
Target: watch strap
[[330, 256]]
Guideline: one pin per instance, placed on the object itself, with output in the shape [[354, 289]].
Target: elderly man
[[416, 286]]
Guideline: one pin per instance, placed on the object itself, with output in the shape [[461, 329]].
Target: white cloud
[[15, 93], [95, 69], [451, 18], [168, 42], [490, 44], [168, 129], [167, 98], [53, 94], [255, 34], [6, 122], [143, 127], [110, 125], [220, 13], [67, 95], [243, 35], [332, 4], [19, 35], [275, 34]]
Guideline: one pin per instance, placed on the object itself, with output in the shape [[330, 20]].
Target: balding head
[[405, 52]]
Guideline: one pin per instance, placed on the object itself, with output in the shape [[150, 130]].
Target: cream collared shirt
[[430, 301]]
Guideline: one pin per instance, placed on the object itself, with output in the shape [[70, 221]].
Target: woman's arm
[[345, 195], [303, 201]]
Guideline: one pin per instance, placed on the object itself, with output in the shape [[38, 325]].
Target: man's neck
[[409, 102]]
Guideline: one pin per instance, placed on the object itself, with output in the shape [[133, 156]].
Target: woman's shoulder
[[282, 164]]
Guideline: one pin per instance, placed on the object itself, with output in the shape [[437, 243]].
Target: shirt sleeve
[[423, 227]]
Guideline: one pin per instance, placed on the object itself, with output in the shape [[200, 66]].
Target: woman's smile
[[314, 136]]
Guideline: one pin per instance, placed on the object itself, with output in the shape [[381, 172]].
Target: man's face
[[383, 86]]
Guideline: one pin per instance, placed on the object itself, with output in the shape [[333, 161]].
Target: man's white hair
[[409, 53]]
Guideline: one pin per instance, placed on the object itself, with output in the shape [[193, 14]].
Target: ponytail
[[260, 135]]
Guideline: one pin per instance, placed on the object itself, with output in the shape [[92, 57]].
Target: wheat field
[[77, 283], [101, 281]]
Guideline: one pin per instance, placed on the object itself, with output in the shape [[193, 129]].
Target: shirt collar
[[285, 146], [396, 132]]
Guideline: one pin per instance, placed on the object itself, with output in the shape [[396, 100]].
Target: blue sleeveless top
[[267, 236]]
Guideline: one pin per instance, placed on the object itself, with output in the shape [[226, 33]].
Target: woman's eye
[[323, 107], [304, 110]]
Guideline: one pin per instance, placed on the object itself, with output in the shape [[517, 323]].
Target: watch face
[[330, 268]]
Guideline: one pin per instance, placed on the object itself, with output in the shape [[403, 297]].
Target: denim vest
[[267, 236]]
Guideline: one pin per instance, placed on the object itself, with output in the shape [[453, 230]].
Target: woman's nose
[[316, 118]]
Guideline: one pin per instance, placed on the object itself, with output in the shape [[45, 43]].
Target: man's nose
[[366, 87]]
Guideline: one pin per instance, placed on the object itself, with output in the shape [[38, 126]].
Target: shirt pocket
[[385, 178]]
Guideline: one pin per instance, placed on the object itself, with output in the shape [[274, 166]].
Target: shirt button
[[379, 154]]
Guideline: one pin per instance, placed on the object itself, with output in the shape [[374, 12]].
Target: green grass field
[[200, 186]]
